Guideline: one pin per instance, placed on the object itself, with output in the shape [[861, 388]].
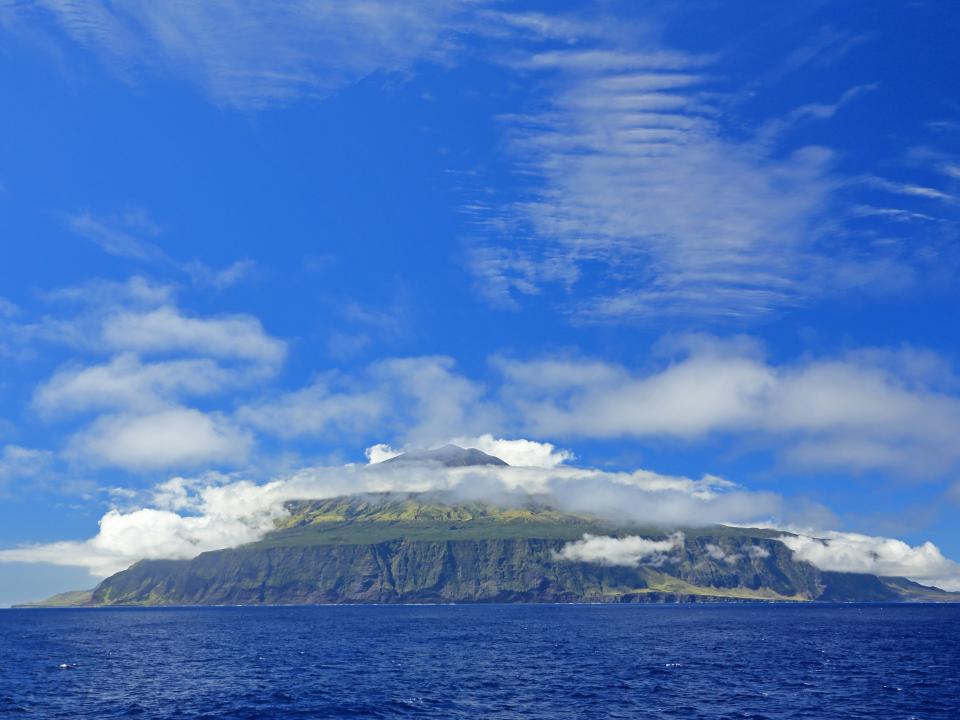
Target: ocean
[[828, 662]]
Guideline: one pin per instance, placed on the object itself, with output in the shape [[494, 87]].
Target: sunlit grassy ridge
[[376, 518]]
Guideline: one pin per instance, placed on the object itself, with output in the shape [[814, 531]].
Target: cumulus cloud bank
[[628, 551], [894, 410], [136, 408], [868, 409], [871, 409]]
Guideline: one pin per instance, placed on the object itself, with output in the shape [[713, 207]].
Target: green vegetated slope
[[73, 598], [431, 549]]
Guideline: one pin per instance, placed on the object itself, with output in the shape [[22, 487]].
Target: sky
[[696, 260]]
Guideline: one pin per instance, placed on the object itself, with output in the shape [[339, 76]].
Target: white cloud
[[502, 272], [127, 383], [166, 329], [137, 291], [635, 174], [851, 552], [125, 235], [122, 236], [249, 55], [715, 552], [440, 401], [125, 538], [173, 437], [381, 452], [628, 551], [519, 453], [869, 410], [315, 410], [911, 190], [893, 410], [7, 308], [690, 398], [812, 111], [142, 421], [21, 463], [89, 303], [222, 278], [141, 316], [645, 194], [758, 551], [421, 399], [954, 492]]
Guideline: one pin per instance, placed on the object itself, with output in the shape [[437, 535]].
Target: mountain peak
[[449, 456]]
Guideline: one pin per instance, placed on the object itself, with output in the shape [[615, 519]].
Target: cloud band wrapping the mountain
[[183, 517]]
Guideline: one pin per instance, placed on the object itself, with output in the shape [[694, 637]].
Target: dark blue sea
[[484, 661]]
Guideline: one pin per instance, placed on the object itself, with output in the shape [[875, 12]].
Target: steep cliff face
[[430, 549], [496, 570], [391, 571]]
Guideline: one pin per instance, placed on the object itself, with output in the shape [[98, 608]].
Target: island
[[435, 548]]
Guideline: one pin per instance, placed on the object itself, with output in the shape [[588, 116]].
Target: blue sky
[[695, 239]]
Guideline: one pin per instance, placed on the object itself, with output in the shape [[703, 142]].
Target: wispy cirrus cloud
[[19, 463], [910, 189], [646, 193], [124, 236], [133, 235], [249, 55], [634, 173]]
